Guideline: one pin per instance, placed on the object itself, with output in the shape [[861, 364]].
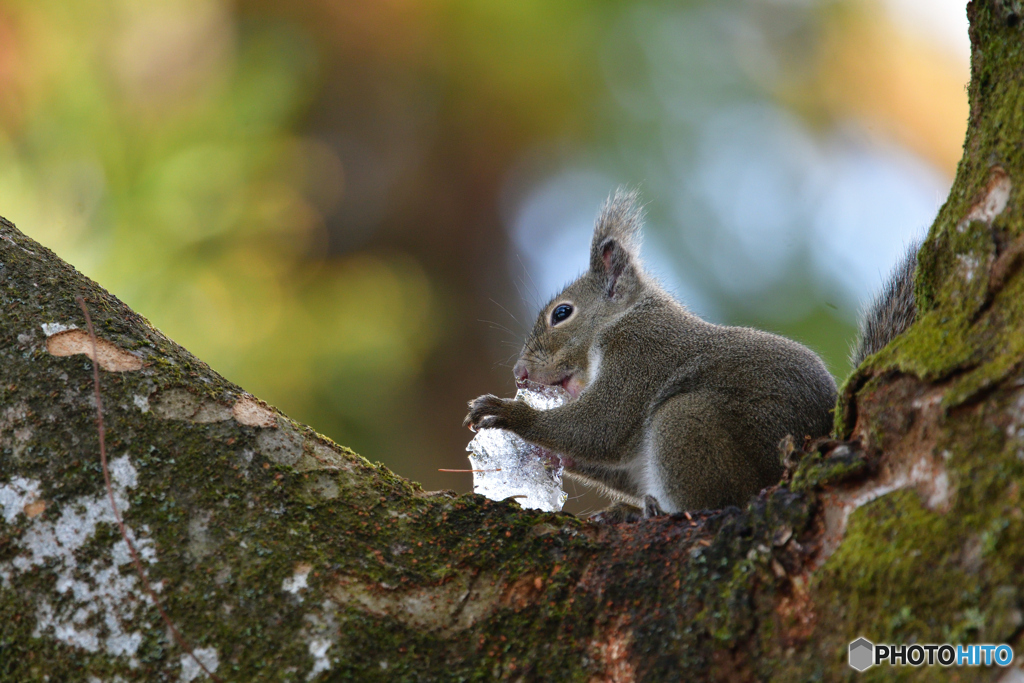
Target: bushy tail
[[892, 311]]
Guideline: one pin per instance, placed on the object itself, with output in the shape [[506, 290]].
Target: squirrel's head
[[561, 348]]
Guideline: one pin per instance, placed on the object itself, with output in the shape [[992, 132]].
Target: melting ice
[[514, 468]]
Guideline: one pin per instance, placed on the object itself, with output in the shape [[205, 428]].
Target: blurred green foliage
[[155, 147]]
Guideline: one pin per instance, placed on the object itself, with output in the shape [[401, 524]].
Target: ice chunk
[[511, 467]]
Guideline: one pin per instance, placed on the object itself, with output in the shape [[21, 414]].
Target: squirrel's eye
[[561, 312]]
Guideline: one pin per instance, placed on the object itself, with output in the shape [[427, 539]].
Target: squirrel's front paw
[[489, 412]]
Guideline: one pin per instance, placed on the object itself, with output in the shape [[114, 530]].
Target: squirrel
[[669, 412], [891, 312]]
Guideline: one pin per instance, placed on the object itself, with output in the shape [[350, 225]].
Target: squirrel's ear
[[614, 252]]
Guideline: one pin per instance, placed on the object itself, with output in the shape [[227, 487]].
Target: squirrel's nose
[[520, 372]]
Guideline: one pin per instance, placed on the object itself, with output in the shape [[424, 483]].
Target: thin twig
[[497, 470], [113, 504]]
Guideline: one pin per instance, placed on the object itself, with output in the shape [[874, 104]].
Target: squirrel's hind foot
[[620, 512]]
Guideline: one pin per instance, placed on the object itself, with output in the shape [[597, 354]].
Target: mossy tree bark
[[282, 556]]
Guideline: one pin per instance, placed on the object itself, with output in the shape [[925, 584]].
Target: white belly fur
[[652, 481]]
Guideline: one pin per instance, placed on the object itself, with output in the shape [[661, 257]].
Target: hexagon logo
[[862, 654]]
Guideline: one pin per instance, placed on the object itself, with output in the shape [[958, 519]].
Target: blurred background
[[354, 209]]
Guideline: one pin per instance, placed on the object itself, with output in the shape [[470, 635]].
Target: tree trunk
[[279, 555]]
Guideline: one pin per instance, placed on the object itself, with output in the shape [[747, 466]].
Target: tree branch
[[287, 557]]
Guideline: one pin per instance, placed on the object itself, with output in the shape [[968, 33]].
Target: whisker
[[536, 292], [507, 311]]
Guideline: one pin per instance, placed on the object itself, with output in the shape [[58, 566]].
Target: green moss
[[880, 584], [905, 573], [816, 470]]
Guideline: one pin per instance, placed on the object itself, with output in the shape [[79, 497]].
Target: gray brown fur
[[672, 407], [891, 312]]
